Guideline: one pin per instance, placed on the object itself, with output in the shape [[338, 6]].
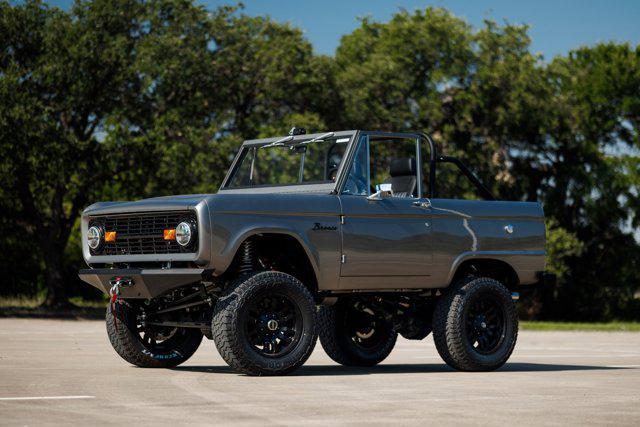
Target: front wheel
[[475, 325], [265, 324], [352, 335], [148, 346]]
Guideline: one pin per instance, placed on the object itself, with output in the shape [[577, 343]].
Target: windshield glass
[[303, 162]]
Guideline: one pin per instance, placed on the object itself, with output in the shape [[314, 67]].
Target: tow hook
[[117, 283], [121, 282]]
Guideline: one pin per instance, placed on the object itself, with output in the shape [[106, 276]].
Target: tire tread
[[329, 331], [225, 315], [448, 317], [123, 341]]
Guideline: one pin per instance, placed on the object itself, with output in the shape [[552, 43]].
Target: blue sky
[[556, 25]]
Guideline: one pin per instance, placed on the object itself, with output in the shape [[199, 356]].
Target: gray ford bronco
[[353, 237]]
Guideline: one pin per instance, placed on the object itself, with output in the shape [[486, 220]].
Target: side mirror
[[380, 194]]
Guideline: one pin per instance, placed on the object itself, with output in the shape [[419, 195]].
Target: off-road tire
[[450, 332], [228, 327], [126, 342], [341, 348]]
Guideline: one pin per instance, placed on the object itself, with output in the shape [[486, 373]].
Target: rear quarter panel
[[466, 229]]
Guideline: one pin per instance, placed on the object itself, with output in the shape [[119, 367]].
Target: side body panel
[[466, 229], [386, 243], [390, 245], [237, 216], [387, 246]]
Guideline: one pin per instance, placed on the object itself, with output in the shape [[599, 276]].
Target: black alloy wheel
[[265, 324], [352, 335], [144, 345], [475, 324], [485, 325], [155, 338], [365, 329], [273, 325]]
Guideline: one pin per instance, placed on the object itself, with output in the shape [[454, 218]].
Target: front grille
[[138, 234]]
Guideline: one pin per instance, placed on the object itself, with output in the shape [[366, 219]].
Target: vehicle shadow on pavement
[[331, 370]]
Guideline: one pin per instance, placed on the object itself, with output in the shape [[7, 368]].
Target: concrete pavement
[[62, 372]]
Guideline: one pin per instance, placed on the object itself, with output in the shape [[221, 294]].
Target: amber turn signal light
[[170, 234], [110, 236]]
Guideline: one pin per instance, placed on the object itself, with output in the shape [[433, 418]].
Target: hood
[[229, 200], [148, 205]]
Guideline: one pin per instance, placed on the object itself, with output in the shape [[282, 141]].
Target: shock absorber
[[246, 257]]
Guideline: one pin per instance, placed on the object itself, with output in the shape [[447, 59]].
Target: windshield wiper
[[318, 138], [279, 142]]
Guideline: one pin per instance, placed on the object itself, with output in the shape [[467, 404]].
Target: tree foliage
[[61, 77], [563, 132], [122, 99]]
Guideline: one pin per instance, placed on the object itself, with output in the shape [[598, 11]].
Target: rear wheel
[[148, 346], [265, 324], [475, 325], [352, 335]]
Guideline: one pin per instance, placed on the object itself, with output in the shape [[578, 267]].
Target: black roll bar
[[435, 159], [484, 191]]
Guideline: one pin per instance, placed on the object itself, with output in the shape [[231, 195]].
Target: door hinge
[[343, 259], [342, 219]]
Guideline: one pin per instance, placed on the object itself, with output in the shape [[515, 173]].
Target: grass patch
[[83, 303], [581, 326], [35, 302], [31, 307], [24, 302]]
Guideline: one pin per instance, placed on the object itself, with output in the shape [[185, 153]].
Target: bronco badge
[[318, 226]]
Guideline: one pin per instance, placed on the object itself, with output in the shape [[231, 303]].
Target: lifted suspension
[[181, 311], [246, 257]]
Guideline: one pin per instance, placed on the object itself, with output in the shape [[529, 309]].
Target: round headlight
[[183, 233], [94, 237]]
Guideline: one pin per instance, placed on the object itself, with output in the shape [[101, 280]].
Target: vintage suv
[[342, 235]]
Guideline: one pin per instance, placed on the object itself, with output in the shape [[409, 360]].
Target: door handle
[[426, 204]]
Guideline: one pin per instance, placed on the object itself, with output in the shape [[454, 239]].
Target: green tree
[[564, 132], [269, 72], [122, 99], [591, 183], [481, 94], [60, 77], [208, 81], [400, 75]]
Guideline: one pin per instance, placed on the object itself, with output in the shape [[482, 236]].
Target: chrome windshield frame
[[295, 140]]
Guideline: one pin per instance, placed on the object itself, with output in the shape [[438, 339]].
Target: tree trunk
[[56, 293]]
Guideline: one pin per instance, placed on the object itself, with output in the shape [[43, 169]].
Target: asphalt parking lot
[[62, 372]]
